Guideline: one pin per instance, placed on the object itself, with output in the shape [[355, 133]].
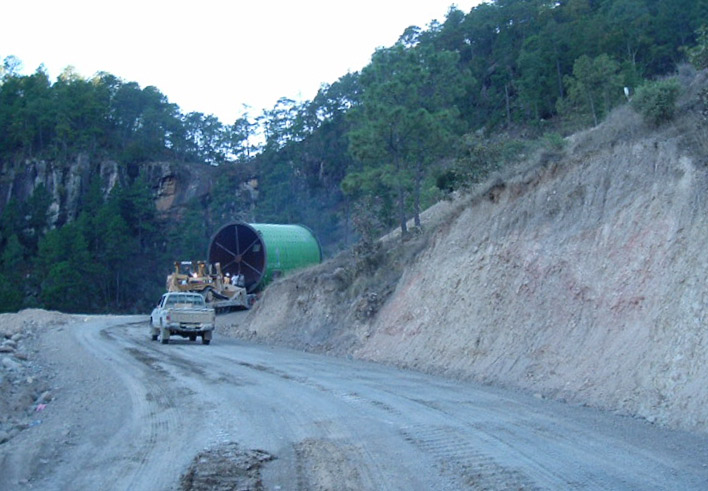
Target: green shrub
[[656, 101], [554, 141], [698, 55]]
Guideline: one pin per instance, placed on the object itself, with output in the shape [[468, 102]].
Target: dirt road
[[129, 413]]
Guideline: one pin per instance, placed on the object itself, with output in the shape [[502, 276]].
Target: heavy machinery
[[242, 259], [221, 292]]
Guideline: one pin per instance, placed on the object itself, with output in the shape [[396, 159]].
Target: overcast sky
[[212, 56]]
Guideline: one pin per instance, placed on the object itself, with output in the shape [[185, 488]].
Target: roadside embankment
[[579, 277]]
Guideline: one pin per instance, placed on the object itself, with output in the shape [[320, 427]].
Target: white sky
[[212, 56]]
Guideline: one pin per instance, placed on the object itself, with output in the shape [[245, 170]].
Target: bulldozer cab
[[184, 268], [192, 269]]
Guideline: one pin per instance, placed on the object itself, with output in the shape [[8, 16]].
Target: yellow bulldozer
[[222, 292]]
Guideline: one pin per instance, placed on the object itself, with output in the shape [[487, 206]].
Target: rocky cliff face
[[581, 277], [173, 184]]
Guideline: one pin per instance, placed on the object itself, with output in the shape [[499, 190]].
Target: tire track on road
[[146, 439], [463, 460]]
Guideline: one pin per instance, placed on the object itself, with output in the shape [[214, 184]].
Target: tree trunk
[[508, 108], [402, 211], [117, 288], [416, 197], [592, 106], [632, 55], [560, 78]]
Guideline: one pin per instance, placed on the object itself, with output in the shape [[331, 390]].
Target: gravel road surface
[[129, 413]]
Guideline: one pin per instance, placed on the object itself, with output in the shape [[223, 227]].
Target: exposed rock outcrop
[[174, 184]]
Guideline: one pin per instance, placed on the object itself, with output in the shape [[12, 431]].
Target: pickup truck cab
[[182, 314]]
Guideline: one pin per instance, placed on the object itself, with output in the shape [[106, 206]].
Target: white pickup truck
[[182, 314]]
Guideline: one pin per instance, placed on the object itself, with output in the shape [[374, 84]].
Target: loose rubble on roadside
[[25, 385], [225, 467]]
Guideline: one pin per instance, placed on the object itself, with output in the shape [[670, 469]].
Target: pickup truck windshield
[[189, 300]]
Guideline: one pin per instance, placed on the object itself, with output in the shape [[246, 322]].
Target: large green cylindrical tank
[[261, 251]]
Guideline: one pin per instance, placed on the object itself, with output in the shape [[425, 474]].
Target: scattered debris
[[24, 384], [225, 467]]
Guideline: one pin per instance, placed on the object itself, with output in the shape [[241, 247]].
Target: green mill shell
[[261, 252]]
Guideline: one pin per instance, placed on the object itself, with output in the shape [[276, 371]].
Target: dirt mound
[[580, 277], [29, 320]]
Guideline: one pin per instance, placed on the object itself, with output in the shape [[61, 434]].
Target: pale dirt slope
[[581, 277]]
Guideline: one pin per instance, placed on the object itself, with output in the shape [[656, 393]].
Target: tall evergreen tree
[[405, 116], [12, 274]]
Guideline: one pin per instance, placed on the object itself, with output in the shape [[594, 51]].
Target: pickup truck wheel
[[206, 341], [192, 338], [153, 331], [164, 335]]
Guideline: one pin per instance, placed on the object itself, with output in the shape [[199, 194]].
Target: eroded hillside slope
[[581, 277]]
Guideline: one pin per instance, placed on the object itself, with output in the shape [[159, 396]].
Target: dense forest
[[438, 110]]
